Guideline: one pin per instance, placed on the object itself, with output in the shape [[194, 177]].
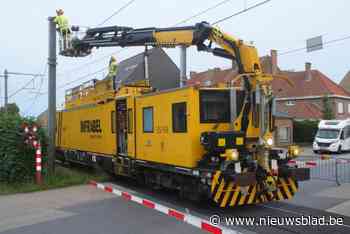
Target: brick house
[[345, 82], [304, 100]]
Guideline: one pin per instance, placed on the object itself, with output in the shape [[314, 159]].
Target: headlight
[[293, 151], [296, 152], [269, 142]]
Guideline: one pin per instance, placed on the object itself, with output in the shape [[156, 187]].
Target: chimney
[[274, 66], [192, 74], [308, 75]]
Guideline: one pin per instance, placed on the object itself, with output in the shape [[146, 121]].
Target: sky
[[280, 24]]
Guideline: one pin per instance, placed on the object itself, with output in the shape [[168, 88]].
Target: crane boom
[[201, 35]]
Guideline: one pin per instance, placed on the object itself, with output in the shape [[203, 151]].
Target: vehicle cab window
[[214, 106]]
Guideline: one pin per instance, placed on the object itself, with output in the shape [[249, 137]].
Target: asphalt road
[[82, 210]]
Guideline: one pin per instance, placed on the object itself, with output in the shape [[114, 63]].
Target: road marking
[[187, 218]]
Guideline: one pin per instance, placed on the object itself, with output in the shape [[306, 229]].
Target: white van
[[332, 136]]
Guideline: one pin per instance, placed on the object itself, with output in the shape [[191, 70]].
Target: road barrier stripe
[[187, 218], [176, 214], [108, 189], [302, 163], [148, 204], [311, 163], [126, 196], [210, 228]]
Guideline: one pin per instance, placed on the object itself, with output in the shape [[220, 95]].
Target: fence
[[327, 167]]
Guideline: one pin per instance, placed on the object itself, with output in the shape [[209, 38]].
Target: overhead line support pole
[[183, 65], [52, 95], [6, 76]]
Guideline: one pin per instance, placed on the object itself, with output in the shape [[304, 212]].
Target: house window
[[290, 103], [130, 121], [340, 108], [113, 121], [148, 119], [284, 134], [179, 117]]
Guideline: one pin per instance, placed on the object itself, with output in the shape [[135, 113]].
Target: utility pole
[[183, 65], [52, 96], [6, 76]]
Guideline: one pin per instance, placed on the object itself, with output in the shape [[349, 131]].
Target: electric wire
[[89, 63], [39, 90], [116, 12], [202, 12], [325, 43], [241, 12]]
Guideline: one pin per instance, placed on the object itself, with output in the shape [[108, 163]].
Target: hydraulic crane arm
[[202, 35]]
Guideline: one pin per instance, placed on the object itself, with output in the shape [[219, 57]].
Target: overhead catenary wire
[[39, 90], [90, 63], [22, 88], [27, 84], [325, 43], [82, 77], [116, 12], [202, 12], [241, 12]]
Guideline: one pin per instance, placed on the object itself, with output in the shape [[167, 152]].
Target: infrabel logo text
[[90, 126]]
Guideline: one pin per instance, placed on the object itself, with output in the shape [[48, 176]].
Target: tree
[[12, 108], [327, 111]]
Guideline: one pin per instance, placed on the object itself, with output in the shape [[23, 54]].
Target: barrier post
[[336, 171], [38, 167]]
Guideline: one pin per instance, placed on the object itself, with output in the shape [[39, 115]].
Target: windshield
[[328, 133]]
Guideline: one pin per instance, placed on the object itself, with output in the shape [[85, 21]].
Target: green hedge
[[17, 160], [305, 131]]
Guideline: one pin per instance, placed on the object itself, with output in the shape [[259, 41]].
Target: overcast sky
[[280, 24]]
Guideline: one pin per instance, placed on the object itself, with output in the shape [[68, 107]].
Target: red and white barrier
[[312, 164], [307, 164], [187, 218], [38, 161]]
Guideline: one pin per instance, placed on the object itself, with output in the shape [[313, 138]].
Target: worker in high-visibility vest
[[63, 27], [113, 67]]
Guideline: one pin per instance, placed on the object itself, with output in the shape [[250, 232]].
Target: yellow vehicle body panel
[[163, 145], [87, 128]]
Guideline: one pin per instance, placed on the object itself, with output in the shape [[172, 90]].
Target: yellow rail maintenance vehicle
[[214, 143]]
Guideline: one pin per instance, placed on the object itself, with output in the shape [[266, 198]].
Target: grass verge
[[64, 177]]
